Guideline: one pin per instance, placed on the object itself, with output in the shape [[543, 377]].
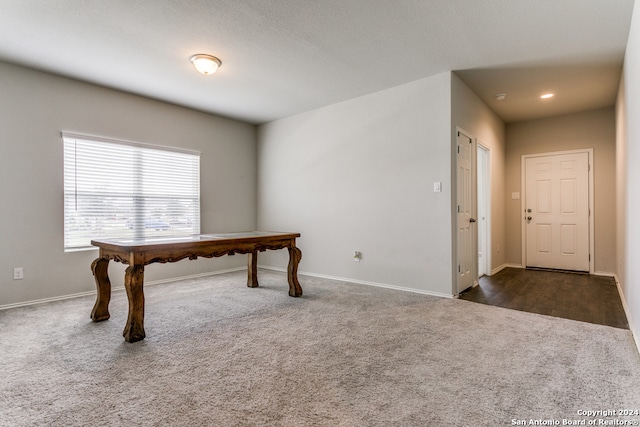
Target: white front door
[[467, 255], [557, 211]]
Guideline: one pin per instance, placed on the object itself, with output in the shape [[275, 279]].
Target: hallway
[[582, 297]]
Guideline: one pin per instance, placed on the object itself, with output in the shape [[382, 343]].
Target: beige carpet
[[220, 354]]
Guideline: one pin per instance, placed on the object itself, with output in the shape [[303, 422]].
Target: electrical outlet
[[18, 273]]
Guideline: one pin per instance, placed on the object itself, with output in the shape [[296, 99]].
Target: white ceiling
[[282, 57]]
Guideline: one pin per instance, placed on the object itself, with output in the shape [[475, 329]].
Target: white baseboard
[[118, 289], [635, 334], [604, 274], [362, 282], [195, 276], [43, 300], [503, 266]]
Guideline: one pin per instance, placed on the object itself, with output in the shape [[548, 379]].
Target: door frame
[[523, 199], [486, 190]]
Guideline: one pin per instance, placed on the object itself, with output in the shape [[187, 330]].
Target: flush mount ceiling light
[[500, 96], [547, 95], [205, 64]]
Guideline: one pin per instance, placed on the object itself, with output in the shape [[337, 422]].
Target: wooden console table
[[138, 253]]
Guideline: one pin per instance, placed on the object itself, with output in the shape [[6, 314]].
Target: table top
[[134, 244]]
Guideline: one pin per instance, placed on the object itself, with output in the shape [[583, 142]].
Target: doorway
[[557, 204], [484, 210]]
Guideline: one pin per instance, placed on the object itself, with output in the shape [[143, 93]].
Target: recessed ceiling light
[[547, 95], [205, 64], [500, 96]]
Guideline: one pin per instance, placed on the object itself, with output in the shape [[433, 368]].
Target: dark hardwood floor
[[582, 297]]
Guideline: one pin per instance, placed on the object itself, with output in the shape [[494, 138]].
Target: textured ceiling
[[283, 57]]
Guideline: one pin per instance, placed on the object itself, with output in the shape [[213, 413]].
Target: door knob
[[529, 218], [472, 220]]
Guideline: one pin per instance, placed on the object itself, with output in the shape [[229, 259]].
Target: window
[[124, 189]]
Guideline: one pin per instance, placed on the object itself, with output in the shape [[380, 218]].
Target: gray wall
[[358, 176], [628, 177], [591, 129], [34, 108]]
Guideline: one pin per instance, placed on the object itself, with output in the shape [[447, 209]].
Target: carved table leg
[[252, 270], [295, 255], [133, 278], [100, 311]]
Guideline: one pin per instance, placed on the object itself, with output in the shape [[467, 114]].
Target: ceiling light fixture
[[205, 64], [500, 96], [547, 95]]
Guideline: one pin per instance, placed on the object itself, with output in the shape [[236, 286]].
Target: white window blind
[[124, 189]]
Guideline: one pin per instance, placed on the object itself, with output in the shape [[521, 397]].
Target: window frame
[[134, 210]]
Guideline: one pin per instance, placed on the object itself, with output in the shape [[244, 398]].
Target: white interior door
[[467, 254], [557, 211]]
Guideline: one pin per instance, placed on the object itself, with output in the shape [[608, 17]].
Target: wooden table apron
[[137, 255]]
